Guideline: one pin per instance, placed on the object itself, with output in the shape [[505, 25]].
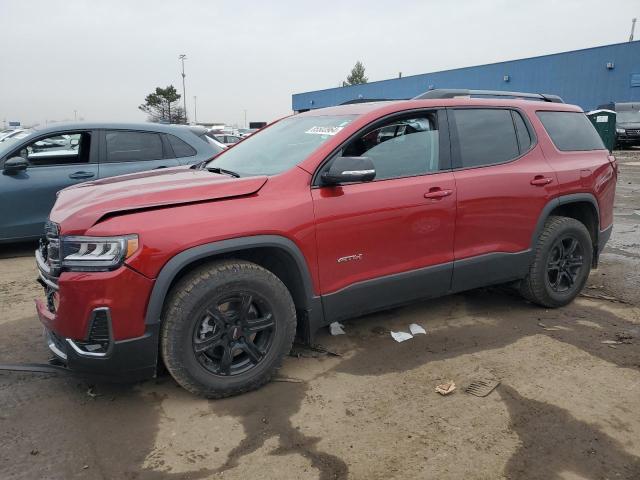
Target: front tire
[[226, 327], [562, 263]]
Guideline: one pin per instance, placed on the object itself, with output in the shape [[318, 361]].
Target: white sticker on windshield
[[602, 119], [324, 130]]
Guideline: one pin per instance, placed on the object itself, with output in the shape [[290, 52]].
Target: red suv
[[322, 216]]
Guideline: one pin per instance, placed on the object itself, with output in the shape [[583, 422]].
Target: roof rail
[[463, 92], [366, 100]]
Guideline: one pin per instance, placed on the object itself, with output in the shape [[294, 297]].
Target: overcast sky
[[101, 58]]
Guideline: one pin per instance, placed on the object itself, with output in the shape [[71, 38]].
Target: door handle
[[541, 181], [161, 166], [436, 193], [81, 174]]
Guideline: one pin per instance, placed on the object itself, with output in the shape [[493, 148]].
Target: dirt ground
[[567, 406]]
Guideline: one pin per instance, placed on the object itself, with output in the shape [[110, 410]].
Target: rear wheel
[[562, 263], [226, 328]]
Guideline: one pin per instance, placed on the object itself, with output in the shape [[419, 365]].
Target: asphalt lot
[[566, 407]]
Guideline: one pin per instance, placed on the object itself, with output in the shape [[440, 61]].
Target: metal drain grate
[[482, 388]]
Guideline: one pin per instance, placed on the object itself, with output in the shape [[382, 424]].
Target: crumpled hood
[[81, 206]]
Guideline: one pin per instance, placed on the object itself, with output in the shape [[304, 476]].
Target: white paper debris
[[336, 328], [401, 336], [415, 329]]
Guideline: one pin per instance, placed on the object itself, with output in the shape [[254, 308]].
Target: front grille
[[48, 261], [634, 132], [50, 248]]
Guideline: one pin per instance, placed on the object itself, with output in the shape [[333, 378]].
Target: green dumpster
[[605, 123]]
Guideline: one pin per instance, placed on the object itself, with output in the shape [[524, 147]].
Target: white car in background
[[16, 134], [214, 141]]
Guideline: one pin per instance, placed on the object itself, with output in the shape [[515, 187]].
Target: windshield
[[281, 146], [628, 116]]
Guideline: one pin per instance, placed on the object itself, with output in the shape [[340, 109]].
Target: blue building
[[588, 78]]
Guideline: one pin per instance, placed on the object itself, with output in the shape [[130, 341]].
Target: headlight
[[620, 130], [84, 254]]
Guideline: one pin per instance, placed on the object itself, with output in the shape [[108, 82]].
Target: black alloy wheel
[[234, 334], [226, 327], [566, 260], [561, 264]]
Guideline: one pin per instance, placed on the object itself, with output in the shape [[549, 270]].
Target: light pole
[[182, 57], [195, 109]]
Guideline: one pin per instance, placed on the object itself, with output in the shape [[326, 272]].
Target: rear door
[[503, 182], [129, 151], [56, 160]]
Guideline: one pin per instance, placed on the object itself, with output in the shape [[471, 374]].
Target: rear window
[[485, 136], [571, 131], [180, 148]]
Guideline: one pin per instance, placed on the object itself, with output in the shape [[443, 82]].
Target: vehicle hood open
[[81, 206]]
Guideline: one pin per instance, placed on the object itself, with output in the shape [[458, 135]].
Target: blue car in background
[[34, 168]]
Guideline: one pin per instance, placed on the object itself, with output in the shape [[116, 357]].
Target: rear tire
[[562, 263], [226, 327]]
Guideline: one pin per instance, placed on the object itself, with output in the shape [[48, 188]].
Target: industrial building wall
[[588, 78]]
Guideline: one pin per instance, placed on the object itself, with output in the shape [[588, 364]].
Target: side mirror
[[349, 169], [14, 165]]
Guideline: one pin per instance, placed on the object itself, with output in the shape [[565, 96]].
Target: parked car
[[35, 167], [627, 123], [322, 216], [245, 132], [15, 134], [225, 138]]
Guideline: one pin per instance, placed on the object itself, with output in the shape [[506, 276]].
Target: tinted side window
[[485, 136], [524, 137], [571, 131], [181, 148], [133, 146], [400, 148]]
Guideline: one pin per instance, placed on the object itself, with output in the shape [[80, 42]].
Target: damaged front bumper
[[94, 323]]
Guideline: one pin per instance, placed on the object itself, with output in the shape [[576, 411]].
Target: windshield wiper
[[223, 171]]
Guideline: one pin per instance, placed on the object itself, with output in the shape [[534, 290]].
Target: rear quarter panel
[[580, 172]]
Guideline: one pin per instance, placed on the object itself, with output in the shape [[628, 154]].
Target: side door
[[503, 182], [130, 151], [388, 241], [56, 160]]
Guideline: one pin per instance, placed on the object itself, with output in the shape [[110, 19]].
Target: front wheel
[[562, 263], [226, 327]]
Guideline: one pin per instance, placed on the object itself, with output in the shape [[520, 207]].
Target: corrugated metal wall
[[580, 77]]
